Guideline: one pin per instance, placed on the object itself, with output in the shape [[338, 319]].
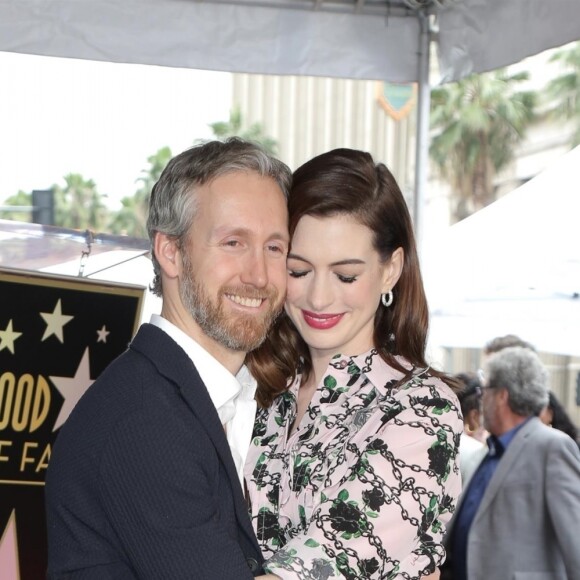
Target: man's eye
[[277, 249]]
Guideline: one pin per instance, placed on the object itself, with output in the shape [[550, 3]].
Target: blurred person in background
[[554, 415], [471, 448], [519, 516], [500, 342]]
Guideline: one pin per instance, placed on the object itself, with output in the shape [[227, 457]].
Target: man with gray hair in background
[[519, 515], [145, 478]]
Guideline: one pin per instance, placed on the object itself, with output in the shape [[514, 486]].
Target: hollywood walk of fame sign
[[57, 334]]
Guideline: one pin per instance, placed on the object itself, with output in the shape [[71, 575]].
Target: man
[[519, 516], [144, 480], [553, 414], [500, 342]]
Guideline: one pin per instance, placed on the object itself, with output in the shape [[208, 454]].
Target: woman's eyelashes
[[344, 278], [297, 273]]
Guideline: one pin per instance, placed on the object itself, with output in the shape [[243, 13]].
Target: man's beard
[[236, 332]]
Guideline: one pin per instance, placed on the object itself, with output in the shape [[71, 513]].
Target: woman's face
[[335, 281]]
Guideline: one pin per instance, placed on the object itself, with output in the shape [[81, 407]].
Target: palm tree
[[131, 219], [20, 199], [78, 204], [564, 90], [234, 128], [476, 124]]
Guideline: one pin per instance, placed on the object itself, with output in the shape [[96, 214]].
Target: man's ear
[[503, 396], [167, 254], [393, 269]]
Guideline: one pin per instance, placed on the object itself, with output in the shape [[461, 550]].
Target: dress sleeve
[[386, 516]]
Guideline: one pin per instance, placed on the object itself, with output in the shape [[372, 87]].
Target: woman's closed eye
[[297, 273], [346, 279]]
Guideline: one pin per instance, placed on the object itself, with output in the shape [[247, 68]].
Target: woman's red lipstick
[[321, 321]]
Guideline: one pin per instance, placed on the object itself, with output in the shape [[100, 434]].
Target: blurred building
[[311, 115]]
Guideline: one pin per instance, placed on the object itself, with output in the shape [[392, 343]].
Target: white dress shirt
[[233, 397]]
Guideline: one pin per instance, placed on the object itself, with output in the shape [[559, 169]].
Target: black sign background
[[54, 326]]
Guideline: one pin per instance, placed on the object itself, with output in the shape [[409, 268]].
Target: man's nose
[[255, 270]]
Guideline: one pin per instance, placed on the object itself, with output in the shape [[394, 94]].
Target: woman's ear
[[167, 254], [393, 269], [473, 419]]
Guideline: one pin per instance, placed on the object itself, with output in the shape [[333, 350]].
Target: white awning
[[341, 38]]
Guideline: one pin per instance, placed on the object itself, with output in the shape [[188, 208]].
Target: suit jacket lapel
[[505, 466], [174, 364]]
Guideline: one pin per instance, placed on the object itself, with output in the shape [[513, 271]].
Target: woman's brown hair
[[348, 182]]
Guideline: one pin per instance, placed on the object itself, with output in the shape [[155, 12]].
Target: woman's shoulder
[[423, 393], [410, 381]]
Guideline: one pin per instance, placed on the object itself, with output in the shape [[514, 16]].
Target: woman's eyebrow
[[346, 262]]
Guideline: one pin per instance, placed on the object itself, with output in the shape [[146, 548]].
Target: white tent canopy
[[513, 267], [372, 39], [363, 39]]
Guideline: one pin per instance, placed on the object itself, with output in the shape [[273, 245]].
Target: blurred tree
[[234, 128], [476, 124], [79, 205], [20, 199], [131, 219], [564, 90]]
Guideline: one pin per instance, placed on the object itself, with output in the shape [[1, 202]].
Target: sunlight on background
[[102, 120]]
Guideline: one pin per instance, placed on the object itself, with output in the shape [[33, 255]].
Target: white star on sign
[[72, 389], [103, 333], [55, 322], [7, 337]]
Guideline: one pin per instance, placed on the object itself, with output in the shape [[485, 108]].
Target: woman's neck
[[320, 364]]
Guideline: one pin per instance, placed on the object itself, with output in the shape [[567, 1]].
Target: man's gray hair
[[521, 372], [172, 205]]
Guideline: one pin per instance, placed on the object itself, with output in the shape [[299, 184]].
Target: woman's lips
[[321, 321]]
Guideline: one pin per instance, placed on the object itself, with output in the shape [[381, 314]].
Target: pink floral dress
[[367, 483]]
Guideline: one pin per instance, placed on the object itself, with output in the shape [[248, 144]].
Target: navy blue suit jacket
[[141, 483]]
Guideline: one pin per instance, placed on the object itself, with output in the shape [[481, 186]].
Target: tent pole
[[422, 143]]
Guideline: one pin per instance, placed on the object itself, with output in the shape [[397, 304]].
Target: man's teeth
[[250, 302]]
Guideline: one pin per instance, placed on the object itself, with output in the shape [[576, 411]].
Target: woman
[[554, 414], [352, 471], [471, 446]]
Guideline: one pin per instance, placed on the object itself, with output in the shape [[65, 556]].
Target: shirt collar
[[370, 364], [222, 386], [508, 436], [382, 376]]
